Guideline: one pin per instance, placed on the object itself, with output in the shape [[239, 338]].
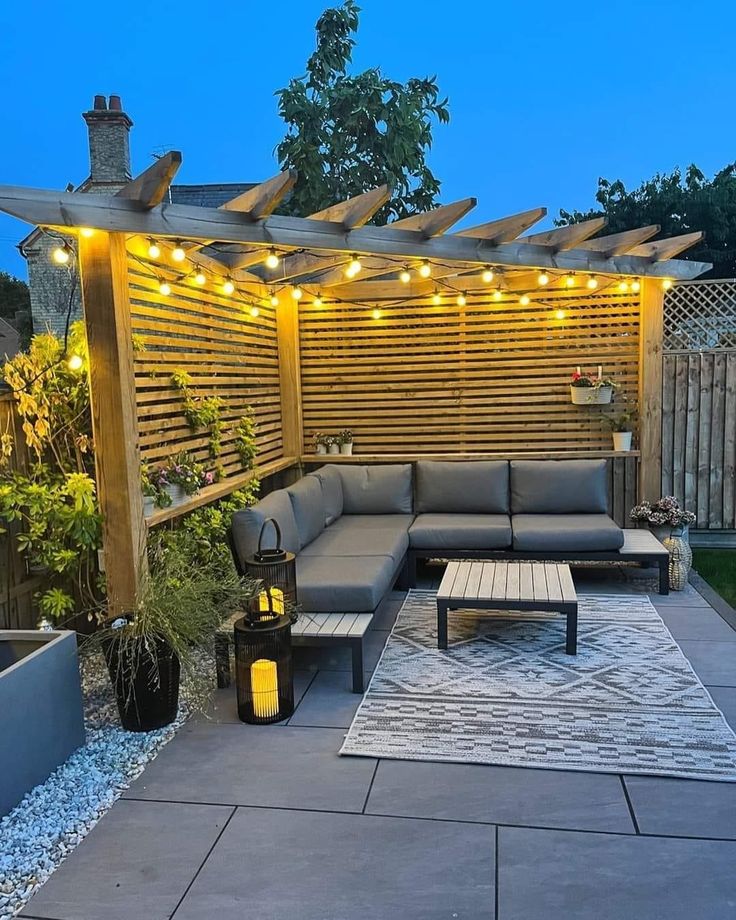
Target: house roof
[[207, 196]]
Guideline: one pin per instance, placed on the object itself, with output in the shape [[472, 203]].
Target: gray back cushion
[[246, 525], [331, 484], [559, 487], [309, 509], [463, 487], [376, 489]]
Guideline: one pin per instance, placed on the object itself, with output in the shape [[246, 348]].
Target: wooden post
[[104, 277], [290, 379], [651, 332]]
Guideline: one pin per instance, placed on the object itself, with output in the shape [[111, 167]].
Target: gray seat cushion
[[331, 483], [460, 531], [349, 537], [559, 533], [462, 487], [246, 525], [559, 487], [309, 509], [376, 489], [343, 584]]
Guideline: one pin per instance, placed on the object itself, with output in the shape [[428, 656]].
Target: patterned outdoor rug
[[506, 693]]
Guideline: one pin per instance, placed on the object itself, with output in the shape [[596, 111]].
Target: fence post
[[290, 383], [651, 332]]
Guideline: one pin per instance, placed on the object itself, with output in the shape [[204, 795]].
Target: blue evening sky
[[544, 98]]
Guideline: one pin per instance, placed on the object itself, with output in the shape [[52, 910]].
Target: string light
[[461, 300], [497, 294], [177, 253], [228, 286], [542, 279], [254, 312], [376, 314], [154, 250], [560, 314], [570, 280], [487, 274], [436, 298], [86, 232], [272, 259], [405, 276], [666, 284], [525, 300], [75, 363], [296, 293], [636, 286], [164, 288], [274, 299], [425, 270], [353, 267], [623, 286], [62, 254], [592, 283], [317, 302], [199, 277]]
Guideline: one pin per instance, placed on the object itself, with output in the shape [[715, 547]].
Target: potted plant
[[150, 492], [345, 441], [589, 389], [333, 445], [622, 427], [664, 517], [167, 635], [182, 477], [320, 443]]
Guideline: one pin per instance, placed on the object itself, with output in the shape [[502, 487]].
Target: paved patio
[[235, 821]]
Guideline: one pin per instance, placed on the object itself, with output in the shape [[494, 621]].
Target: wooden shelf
[[506, 455]]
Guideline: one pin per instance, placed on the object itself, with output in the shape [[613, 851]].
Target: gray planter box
[[41, 720]]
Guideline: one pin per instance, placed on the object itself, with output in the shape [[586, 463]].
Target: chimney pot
[[115, 104], [100, 103]]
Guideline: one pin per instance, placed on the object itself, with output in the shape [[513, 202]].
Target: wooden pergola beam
[[505, 229], [568, 237], [658, 250], [67, 210], [151, 186], [616, 244], [437, 221], [261, 200]]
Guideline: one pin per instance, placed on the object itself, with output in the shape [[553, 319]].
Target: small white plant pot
[[347, 449], [333, 449], [149, 505], [621, 440], [320, 449], [175, 493]]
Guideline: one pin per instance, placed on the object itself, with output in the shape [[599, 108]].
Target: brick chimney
[[109, 144]]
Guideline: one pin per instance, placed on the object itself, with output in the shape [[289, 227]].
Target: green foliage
[[200, 411], [245, 439], [679, 205], [348, 133], [15, 305], [718, 568]]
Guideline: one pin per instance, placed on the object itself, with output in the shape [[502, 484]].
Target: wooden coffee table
[[543, 586]]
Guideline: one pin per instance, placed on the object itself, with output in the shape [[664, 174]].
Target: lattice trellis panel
[[700, 316]]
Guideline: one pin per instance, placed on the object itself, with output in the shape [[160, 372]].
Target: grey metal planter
[[41, 718]]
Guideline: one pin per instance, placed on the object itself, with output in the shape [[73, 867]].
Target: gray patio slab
[[688, 597], [683, 808], [697, 623], [713, 662], [137, 862], [501, 795], [310, 866], [546, 874], [725, 700], [257, 765], [224, 706], [329, 702]]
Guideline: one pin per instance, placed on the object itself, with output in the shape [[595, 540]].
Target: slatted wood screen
[[227, 353], [484, 378], [699, 435]]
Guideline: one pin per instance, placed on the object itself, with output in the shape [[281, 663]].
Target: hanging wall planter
[[590, 389]]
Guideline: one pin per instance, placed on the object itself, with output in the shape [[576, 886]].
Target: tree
[[15, 305], [679, 206], [349, 133]]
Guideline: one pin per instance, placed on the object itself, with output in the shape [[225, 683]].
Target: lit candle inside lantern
[[600, 372], [265, 688], [276, 606]]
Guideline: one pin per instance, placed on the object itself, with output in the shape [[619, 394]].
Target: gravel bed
[[57, 815]]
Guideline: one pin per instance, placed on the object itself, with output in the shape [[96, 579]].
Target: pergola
[[267, 277]]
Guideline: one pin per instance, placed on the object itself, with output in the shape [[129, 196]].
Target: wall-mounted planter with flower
[[591, 390]]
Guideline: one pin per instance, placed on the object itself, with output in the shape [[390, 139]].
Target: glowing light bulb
[[487, 275], [436, 298], [228, 286], [542, 278], [376, 314], [200, 277], [425, 270], [86, 231], [636, 286], [75, 363], [405, 276], [354, 266], [666, 284], [461, 300], [317, 302], [560, 314], [164, 288], [497, 294], [61, 254], [272, 259], [570, 280], [623, 286], [154, 250], [274, 300], [592, 283], [254, 312], [178, 254], [525, 300], [296, 293]]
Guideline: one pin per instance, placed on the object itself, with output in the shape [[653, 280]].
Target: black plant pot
[[145, 678]]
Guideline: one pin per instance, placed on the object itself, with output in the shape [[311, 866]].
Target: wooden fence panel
[[484, 378]]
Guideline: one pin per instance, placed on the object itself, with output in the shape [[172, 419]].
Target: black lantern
[[263, 669], [275, 568]]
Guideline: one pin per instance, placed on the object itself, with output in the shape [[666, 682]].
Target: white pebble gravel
[[57, 815]]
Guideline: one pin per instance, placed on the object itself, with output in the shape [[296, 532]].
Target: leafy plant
[[665, 511], [183, 471], [245, 439], [345, 436], [348, 133], [622, 421], [200, 411], [591, 381]]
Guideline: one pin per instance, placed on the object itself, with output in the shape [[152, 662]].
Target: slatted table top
[[519, 583]]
